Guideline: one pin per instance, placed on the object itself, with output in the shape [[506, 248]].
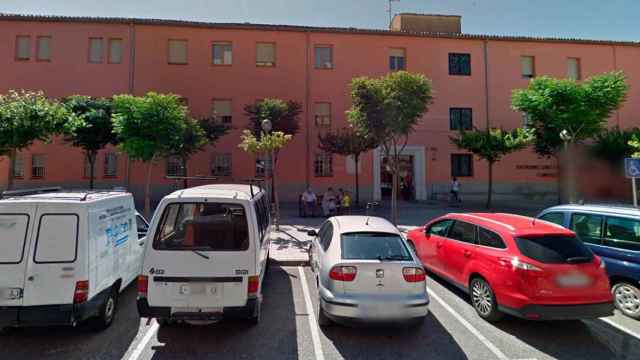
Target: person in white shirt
[[455, 190], [309, 200], [329, 202]]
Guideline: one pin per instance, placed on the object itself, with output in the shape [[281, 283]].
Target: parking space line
[[497, 352], [313, 325], [151, 331], [620, 327]]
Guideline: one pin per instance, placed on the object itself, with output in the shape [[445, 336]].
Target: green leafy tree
[[284, 115], [386, 110], [26, 117], [491, 145], [93, 130], [347, 142], [635, 145], [579, 110], [149, 127], [267, 143], [197, 134], [613, 145]]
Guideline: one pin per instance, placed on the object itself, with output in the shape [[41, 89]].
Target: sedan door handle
[[467, 253], [439, 244], [31, 278]]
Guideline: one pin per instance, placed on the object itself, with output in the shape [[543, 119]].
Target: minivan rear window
[[554, 249], [373, 246], [203, 226], [13, 234]]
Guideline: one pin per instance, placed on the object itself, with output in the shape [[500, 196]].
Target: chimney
[[426, 23]]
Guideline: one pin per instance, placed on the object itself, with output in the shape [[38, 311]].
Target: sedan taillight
[[413, 274], [343, 273]]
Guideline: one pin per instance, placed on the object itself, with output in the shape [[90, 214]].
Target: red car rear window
[[554, 249]]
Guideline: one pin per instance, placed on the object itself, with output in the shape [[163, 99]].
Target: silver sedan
[[366, 272]]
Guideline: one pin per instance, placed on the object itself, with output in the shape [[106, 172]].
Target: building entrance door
[[406, 187]]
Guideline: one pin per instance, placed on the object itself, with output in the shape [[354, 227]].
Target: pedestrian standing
[[309, 201], [455, 190]]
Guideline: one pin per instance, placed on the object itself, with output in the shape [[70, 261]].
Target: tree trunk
[[274, 161], [356, 160], [91, 156], [560, 178], [147, 191], [490, 190], [185, 173], [394, 196], [12, 161]]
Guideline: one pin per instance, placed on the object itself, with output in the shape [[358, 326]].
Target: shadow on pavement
[[275, 337], [588, 339], [364, 342], [79, 342]]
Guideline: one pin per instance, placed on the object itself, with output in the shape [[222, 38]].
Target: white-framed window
[[37, 166], [115, 51], [265, 54], [43, 48], [462, 165], [95, 50], [573, 68], [322, 114], [110, 164], [397, 59], [177, 51], [23, 47], [323, 165], [221, 109], [528, 65], [221, 164], [222, 53], [324, 56]]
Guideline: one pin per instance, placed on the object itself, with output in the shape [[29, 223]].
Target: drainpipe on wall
[[306, 106], [486, 83], [132, 66]]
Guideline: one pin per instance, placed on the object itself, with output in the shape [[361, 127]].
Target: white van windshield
[[203, 226], [13, 233]]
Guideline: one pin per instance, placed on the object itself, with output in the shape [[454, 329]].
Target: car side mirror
[[312, 233]]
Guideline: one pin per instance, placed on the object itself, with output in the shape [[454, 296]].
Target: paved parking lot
[[288, 331]]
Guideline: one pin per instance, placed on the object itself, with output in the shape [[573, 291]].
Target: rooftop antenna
[[389, 9]]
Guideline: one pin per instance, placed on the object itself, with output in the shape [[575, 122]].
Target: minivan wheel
[[107, 311], [484, 301], [254, 319], [627, 299]]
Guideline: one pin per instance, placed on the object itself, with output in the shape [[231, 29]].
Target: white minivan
[[66, 256], [207, 255]]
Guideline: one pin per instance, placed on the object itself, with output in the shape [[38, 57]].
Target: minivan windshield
[[373, 246], [203, 227], [554, 249]]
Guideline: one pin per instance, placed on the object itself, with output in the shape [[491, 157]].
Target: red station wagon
[[516, 265]]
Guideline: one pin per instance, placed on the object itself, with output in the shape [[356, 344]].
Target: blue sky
[[592, 19]]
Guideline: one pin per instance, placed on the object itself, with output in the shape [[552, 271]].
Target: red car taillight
[[81, 292], [253, 283], [413, 274], [143, 286], [343, 273], [517, 264]]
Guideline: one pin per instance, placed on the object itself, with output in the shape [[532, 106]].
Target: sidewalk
[[289, 246]]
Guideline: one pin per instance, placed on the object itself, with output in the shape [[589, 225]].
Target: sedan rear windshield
[[554, 249], [203, 226], [374, 246]]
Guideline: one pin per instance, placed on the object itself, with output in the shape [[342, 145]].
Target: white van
[[207, 255], [65, 256]]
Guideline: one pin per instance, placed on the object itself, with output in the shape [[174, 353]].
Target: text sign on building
[[632, 167]]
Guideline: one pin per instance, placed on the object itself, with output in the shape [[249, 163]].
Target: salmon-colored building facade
[[473, 77]]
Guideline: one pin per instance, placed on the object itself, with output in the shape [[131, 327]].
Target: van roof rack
[[33, 191]]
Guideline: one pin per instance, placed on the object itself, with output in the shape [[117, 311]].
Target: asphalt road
[[288, 331]]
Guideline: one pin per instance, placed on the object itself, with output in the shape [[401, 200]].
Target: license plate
[[200, 289], [573, 280]]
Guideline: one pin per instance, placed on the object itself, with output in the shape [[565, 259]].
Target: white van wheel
[[257, 313], [107, 311]]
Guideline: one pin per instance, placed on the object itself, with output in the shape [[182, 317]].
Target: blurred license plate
[[573, 280]]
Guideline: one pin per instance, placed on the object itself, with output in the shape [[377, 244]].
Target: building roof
[[300, 28]]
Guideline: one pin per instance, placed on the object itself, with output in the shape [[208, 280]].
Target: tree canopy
[[635, 145], [284, 115], [613, 145], [580, 108]]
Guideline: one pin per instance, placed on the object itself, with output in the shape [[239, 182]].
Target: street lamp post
[[267, 126], [566, 137]]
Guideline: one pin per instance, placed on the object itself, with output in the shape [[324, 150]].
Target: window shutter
[[222, 107], [44, 48], [95, 50], [397, 52], [23, 47], [177, 51], [115, 51], [527, 66], [573, 68], [265, 54]]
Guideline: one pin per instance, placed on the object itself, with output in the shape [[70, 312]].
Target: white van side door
[[58, 256], [16, 224]]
